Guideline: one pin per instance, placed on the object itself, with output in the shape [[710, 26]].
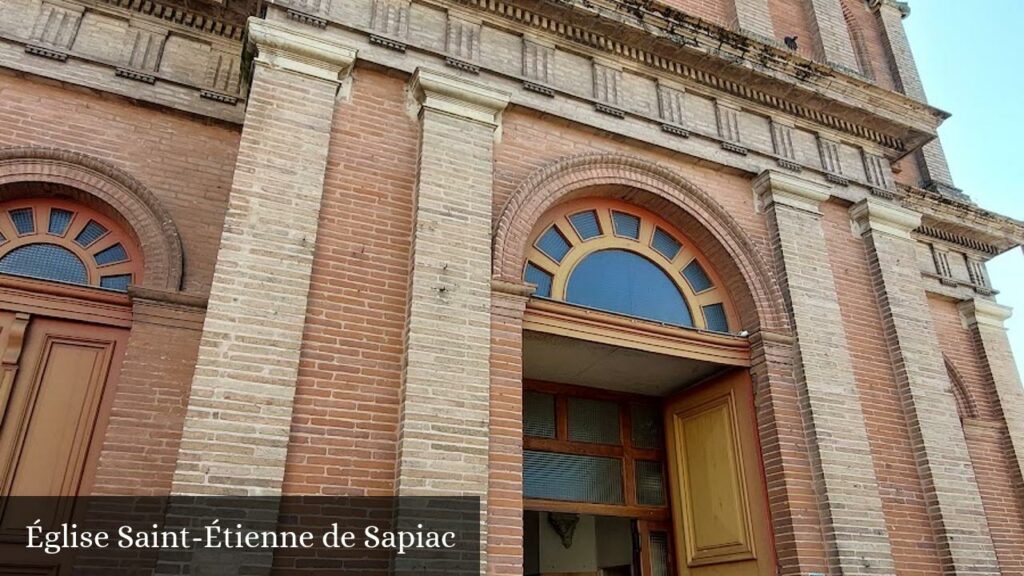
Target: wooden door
[[56, 387], [719, 504]]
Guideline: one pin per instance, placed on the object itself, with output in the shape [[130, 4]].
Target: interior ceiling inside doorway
[[583, 363]]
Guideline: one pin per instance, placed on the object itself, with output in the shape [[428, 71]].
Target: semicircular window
[[627, 283], [46, 262], [612, 256], [61, 241]]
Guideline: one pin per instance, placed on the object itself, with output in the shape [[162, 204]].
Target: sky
[[971, 67]]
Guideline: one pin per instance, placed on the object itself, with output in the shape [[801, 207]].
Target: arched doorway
[[640, 451], [64, 271]]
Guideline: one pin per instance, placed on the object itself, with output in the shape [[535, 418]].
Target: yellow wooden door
[[719, 505]]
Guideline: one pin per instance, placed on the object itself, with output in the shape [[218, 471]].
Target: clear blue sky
[[970, 63]]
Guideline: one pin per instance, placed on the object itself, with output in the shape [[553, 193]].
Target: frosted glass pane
[[45, 261], [553, 244], [663, 242], [542, 279], [586, 224], [59, 220], [572, 477], [627, 283], [626, 225], [111, 255], [539, 415], [650, 483], [645, 421], [91, 233], [23, 220], [714, 314], [594, 421], [695, 275], [119, 282], [659, 554]]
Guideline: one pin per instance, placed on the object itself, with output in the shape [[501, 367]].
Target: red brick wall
[[791, 18], [143, 434], [903, 503], [989, 446], [987, 439], [863, 23], [958, 346], [714, 11], [344, 425], [187, 163]]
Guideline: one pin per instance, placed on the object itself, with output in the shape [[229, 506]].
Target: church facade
[[671, 287]]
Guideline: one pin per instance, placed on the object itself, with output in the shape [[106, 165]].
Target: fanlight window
[[614, 257], [60, 241]]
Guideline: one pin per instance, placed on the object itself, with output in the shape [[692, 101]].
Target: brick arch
[[152, 226], [748, 278]]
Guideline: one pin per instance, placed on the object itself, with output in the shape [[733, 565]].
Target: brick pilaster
[[443, 426], [940, 449], [753, 17], [240, 405], [505, 490], [796, 524], [829, 27], [844, 475], [932, 159], [986, 320]]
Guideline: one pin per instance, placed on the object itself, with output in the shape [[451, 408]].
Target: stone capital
[[902, 7], [871, 214], [282, 46], [458, 96], [772, 187], [984, 313]]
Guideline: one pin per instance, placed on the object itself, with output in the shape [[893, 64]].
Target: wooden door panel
[[717, 489], [54, 406]]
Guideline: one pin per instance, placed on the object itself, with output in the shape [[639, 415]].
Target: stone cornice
[[965, 224], [291, 48], [875, 215], [207, 19], [984, 312], [773, 187], [458, 96], [725, 60]]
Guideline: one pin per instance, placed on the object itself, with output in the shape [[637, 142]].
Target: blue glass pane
[[119, 282], [696, 276], [586, 224], [714, 315], [553, 244], [45, 261], [3, 238], [665, 244], [627, 283], [91, 233], [23, 220], [111, 255], [572, 477], [59, 220], [542, 279], [626, 225]]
